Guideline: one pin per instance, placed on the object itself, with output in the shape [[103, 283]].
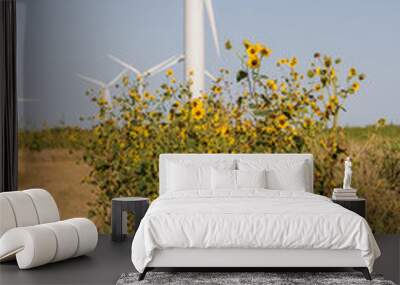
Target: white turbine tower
[[194, 42], [105, 87]]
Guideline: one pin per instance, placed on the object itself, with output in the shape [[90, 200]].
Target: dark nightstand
[[357, 205], [119, 208]]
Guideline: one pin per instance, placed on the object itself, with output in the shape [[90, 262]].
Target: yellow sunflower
[[217, 89], [223, 130], [176, 104], [282, 121], [147, 95], [333, 73], [253, 62], [247, 43], [197, 103], [355, 86], [169, 72], [265, 52], [198, 113], [352, 72], [272, 84], [252, 51], [330, 107], [125, 80], [292, 62], [132, 92], [270, 129], [282, 61], [334, 100]]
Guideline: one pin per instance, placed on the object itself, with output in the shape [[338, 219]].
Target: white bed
[[249, 227]]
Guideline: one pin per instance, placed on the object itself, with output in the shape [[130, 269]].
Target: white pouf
[[31, 232]]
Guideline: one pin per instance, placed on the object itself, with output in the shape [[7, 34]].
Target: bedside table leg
[[139, 211], [116, 222]]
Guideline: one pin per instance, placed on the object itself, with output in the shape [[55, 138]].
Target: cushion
[[23, 208], [280, 175], [7, 220], [223, 179], [40, 244], [26, 208], [46, 207], [188, 177], [251, 178]]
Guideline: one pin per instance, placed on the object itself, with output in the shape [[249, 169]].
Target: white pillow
[[293, 179], [223, 179], [281, 174], [188, 177], [251, 178], [226, 179]]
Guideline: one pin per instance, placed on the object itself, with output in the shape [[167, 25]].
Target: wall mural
[[256, 96]]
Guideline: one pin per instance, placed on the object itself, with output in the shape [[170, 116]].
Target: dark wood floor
[[110, 260], [103, 266]]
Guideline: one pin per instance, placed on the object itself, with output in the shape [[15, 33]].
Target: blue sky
[[59, 38]]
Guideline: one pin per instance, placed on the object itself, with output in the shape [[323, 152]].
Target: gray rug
[[269, 278]]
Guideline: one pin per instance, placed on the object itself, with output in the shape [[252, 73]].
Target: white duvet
[[252, 218]]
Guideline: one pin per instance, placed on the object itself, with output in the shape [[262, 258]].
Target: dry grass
[[57, 171], [376, 173]]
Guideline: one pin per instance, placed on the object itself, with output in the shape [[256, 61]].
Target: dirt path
[[57, 171]]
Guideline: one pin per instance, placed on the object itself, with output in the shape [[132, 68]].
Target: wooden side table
[[120, 206], [357, 205]]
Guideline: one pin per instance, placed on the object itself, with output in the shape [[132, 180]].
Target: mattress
[[250, 219]]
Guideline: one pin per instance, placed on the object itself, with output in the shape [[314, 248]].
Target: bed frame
[[243, 259]]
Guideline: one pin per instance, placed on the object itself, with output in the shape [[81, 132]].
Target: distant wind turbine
[[27, 100], [151, 71], [103, 85]]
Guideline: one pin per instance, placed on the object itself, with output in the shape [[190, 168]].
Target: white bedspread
[[250, 218]]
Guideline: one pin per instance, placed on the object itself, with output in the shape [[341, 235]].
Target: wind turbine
[[194, 42], [194, 51], [103, 85], [194, 47], [151, 71]]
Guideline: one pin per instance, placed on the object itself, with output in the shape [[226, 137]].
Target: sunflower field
[[248, 111]]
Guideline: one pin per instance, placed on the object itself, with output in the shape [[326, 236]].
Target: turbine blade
[[211, 18], [150, 71], [116, 78], [209, 75], [91, 80], [168, 65], [124, 64]]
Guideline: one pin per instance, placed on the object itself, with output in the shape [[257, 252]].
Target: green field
[[75, 137], [362, 133]]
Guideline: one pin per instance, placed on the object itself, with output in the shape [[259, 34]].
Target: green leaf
[[228, 45], [261, 113], [241, 74]]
